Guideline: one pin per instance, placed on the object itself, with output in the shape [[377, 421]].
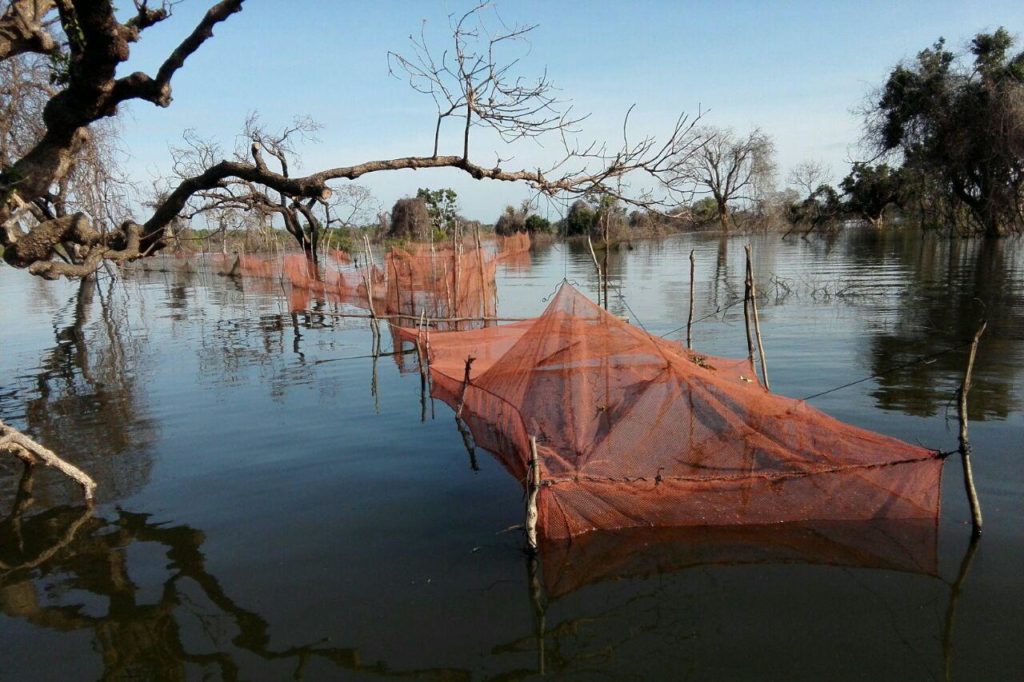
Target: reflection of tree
[[56, 565], [955, 284], [86, 404]]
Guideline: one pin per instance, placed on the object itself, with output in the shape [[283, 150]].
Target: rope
[[903, 365], [618, 292], [719, 309]]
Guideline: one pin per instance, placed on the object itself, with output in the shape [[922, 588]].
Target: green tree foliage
[[512, 219], [536, 224], [870, 190], [704, 210], [521, 219], [818, 210], [581, 220], [442, 207], [963, 124]]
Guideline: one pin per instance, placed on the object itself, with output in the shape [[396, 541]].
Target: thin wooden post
[[533, 490], [368, 277], [398, 285], [480, 261], [689, 318], [746, 313], [374, 388], [597, 268], [757, 321], [607, 250], [421, 362], [456, 262], [965, 445], [465, 385]]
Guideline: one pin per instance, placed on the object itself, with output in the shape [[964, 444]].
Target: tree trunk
[[723, 215]]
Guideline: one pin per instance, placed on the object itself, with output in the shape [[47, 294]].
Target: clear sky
[[794, 69]]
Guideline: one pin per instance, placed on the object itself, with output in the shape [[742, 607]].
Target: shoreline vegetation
[[350, 239]]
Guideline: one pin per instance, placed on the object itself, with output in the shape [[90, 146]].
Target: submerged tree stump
[[32, 453]]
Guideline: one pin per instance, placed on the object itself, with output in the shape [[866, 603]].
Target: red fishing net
[[634, 431], [445, 281]]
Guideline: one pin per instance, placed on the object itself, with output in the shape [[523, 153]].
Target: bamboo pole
[[32, 453], [533, 491], [757, 321], [965, 445], [689, 318]]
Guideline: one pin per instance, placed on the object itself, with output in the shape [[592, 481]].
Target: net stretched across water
[[637, 431]]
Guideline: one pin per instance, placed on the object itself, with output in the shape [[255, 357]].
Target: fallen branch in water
[[32, 453]]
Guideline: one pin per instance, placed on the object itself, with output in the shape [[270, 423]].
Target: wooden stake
[[480, 260], [421, 362], [465, 385], [746, 312], [757, 322], [604, 261], [533, 490], [368, 277], [32, 453], [597, 267], [689, 318], [965, 445]]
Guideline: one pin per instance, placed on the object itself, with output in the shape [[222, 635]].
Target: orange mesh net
[[636, 431], [450, 282], [444, 282]]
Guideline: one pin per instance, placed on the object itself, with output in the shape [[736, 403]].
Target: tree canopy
[[960, 121]]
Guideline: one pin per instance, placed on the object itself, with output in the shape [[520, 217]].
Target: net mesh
[[637, 431], [449, 281]]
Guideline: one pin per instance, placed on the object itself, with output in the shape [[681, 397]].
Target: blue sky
[[794, 69]]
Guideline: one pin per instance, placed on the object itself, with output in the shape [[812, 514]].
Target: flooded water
[[272, 506]]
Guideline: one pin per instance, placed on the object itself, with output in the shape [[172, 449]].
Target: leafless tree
[[728, 167], [305, 218], [807, 176], [476, 82]]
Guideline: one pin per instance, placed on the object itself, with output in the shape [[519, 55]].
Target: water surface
[[273, 506]]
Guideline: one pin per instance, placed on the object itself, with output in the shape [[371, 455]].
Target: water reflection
[[86, 402], [69, 571], [953, 285]]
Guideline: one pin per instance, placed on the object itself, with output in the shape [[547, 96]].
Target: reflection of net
[[892, 544], [637, 431], [442, 281]]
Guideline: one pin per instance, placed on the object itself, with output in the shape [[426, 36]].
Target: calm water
[[272, 505]]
